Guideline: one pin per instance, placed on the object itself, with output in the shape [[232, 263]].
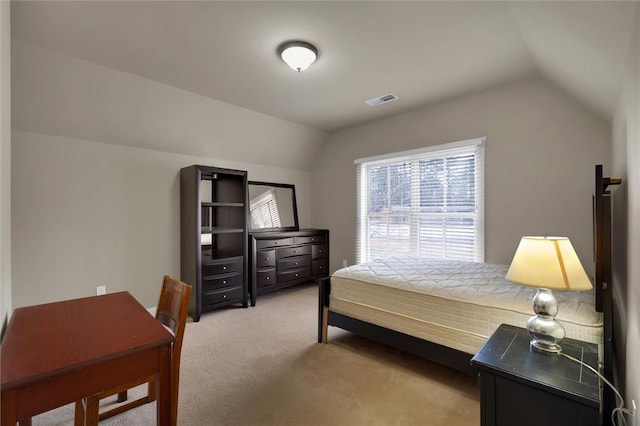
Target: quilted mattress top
[[471, 282]]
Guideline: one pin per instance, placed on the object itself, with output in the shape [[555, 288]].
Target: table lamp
[[548, 263]]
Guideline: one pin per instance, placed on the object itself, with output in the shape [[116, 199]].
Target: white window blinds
[[427, 202], [264, 211]]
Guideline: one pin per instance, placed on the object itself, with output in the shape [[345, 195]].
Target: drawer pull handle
[[224, 281], [266, 258], [296, 275], [268, 278], [224, 267], [224, 296], [295, 263]]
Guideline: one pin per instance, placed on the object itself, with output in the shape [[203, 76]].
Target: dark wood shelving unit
[[213, 216]]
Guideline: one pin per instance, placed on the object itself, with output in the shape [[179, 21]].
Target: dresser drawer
[[260, 244], [221, 280], [294, 274], [266, 277], [318, 250], [222, 295], [292, 251], [319, 267], [265, 258], [222, 267], [311, 239], [293, 263]]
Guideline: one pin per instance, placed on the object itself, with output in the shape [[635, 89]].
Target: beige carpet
[[262, 366]]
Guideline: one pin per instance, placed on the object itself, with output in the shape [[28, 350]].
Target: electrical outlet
[[344, 263], [101, 289]]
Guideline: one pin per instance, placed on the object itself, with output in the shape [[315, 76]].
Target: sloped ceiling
[[423, 52]]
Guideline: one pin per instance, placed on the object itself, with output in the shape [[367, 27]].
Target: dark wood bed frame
[[604, 281], [461, 360]]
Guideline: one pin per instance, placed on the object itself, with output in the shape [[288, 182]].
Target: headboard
[[603, 278]]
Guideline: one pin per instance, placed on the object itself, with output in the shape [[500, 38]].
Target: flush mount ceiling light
[[298, 54]]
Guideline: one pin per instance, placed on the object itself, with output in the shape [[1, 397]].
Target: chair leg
[[122, 396], [92, 411], [151, 390], [78, 418]]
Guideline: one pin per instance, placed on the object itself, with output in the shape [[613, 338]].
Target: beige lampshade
[[548, 262]]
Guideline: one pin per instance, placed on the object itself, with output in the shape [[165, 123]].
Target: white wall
[[626, 222], [89, 213], [5, 163], [541, 151], [88, 210]]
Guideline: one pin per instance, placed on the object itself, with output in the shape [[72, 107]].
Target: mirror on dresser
[[272, 207]]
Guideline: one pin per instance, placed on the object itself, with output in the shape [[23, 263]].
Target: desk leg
[[8, 414], [164, 402]]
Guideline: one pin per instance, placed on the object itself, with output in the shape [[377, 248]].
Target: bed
[[444, 311]]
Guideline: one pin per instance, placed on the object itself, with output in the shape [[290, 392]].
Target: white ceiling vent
[[382, 99]]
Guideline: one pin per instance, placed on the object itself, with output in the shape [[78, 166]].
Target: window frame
[[475, 146]]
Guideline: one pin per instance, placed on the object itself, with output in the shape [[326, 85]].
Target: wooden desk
[[57, 353]]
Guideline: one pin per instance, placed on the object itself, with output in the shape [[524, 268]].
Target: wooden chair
[[172, 312]]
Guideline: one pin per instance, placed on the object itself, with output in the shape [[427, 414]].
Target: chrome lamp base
[[546, 332]]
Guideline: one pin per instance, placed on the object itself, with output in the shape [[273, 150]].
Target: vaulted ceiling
[[423, 52]]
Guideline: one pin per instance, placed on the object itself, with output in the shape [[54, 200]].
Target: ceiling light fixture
[[298, 54]]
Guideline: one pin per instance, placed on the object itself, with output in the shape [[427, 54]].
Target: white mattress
[[452, 303]]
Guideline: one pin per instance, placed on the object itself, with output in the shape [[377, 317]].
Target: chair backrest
[[172, 310]]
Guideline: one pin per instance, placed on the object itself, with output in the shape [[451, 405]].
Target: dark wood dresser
[[283, 259], [519, 386]]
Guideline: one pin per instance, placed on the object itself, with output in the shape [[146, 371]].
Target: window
[[427, 202]]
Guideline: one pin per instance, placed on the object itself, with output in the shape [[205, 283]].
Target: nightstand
[[522, 387]]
